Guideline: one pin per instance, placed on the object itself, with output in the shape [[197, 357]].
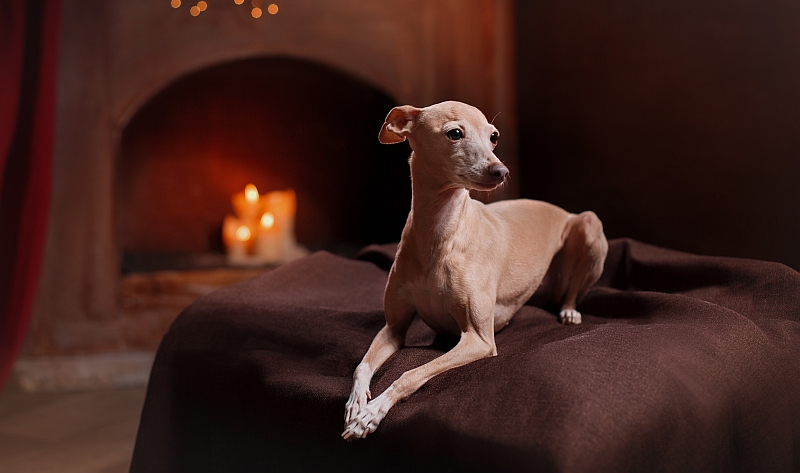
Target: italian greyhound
[[465, 267]]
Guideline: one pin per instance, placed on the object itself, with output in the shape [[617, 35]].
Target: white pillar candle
[[268, 240], [236, 236], [283, 205]]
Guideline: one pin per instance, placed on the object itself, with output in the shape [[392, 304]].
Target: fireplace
[[276, 122], [162, 116]]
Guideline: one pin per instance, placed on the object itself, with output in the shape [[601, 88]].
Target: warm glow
[[256, 13], [251, 193], [202, 5], [175, 3], [272, 9], [242, 233], [194, 11], [267, 220], [238, 2]]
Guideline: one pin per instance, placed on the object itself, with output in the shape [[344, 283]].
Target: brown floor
[[86, 432]]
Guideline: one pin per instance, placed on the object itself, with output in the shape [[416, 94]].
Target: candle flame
[[251, 193], [267, 220], [242, 233]]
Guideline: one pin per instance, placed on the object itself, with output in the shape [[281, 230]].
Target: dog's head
[[452, 139]]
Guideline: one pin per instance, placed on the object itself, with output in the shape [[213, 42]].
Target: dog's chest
[[432, 297]]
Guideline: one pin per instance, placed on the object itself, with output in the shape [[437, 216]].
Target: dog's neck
[[436, 207]]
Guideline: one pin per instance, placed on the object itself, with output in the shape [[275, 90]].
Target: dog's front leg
[[388, 341], [471, 347], [399, 314]]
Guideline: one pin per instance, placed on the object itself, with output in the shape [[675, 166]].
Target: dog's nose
[[498, 172]]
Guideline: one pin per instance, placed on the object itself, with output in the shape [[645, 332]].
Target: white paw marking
[[569, 317], [368, 418]]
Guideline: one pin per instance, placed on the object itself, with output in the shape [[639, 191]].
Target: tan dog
[[466, 268]]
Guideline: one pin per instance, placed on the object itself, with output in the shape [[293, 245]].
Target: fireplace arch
[[277, 122]]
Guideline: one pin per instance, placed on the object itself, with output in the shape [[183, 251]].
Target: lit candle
[[268, 241], [237, 238], [281, 205], [247, 204], [263, 229]]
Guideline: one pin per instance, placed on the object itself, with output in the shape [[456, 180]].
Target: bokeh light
[[251, 193], [267, 220], [243, 233]]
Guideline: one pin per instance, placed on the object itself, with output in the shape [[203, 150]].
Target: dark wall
[[677, 121]]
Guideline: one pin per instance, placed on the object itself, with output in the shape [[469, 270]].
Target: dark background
[[678, 121]]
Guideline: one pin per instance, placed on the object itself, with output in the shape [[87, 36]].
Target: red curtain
[[29, 33]]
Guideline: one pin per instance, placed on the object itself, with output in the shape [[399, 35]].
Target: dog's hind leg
[[580, 264]]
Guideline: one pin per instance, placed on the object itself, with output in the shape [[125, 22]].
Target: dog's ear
[[399, 124]]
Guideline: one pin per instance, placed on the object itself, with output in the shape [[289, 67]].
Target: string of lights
[[255, 12]]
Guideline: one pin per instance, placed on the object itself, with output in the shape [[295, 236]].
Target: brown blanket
[[683, 363]]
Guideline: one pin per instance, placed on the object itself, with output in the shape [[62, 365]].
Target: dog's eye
[[455, 134], [493, 138]]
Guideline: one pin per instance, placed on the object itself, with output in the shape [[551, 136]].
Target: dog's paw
[[357, 401], [569, 317], [368, 418]]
